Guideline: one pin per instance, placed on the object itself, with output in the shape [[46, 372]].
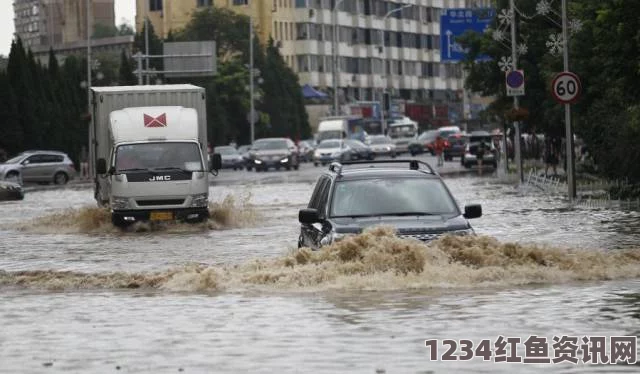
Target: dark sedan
[[359, 150], [455, 146]]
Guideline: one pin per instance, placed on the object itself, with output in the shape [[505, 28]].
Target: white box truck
[[148, 153]]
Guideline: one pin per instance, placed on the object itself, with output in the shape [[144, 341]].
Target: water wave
[[229, 213], [374, 260]]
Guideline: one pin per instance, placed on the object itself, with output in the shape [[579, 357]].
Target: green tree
[[155, 46], [125, 29], [104, 31], [125, 74]]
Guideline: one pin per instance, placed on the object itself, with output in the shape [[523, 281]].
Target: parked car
[[360, 151], [38, 167], [274, 153], [10, 191], [409, 196], [455, 146], [231, 158], [470, 158], [330, 150], [382, 145], [306, 151]]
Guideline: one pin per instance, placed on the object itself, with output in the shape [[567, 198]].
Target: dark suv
[[406, 194]]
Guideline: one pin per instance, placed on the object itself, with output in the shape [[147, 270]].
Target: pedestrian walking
[[439, 150], [84, 163], [480, 151]]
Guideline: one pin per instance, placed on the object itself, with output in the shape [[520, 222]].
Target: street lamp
[[252, 115], [384, 59], [334, 52]]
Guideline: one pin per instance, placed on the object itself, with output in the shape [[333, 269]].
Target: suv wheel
[[60, 178], [13, 176]]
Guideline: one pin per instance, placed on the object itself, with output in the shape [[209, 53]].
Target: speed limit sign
[[566, 87]]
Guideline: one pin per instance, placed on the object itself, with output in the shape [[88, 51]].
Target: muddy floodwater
[[234, 295]]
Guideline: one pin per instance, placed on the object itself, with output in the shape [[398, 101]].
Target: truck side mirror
[[216, 162], [101, 166]]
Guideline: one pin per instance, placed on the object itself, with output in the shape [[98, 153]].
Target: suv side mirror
[[216, 162], [308, 216], [472, 211], [101, 166]]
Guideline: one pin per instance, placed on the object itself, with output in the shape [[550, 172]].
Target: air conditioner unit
[[311, 13], [354, 78]]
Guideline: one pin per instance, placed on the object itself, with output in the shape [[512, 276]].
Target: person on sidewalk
[[480, 151], [84, 163], [439, 150]]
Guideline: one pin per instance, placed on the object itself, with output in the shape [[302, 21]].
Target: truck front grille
[[160, 202]]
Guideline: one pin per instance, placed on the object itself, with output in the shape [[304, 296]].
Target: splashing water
[[226, 214], [373, 260]]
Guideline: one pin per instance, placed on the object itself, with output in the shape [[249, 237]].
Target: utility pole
[[334, 52], [567, 109], [516, 104], [146, 39], [89, 56], [251, 77]]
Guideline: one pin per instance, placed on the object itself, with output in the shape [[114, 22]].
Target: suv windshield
[[391, 196], [269, 145], [169, 155]]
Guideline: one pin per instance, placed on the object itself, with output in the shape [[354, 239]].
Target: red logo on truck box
[[160, 121]]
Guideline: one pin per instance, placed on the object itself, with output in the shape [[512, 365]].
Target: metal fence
[[593, 194]]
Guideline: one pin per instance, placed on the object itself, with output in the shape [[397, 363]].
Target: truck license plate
[[161, 216]]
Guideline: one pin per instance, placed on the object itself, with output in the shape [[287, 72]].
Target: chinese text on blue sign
[[455, 22]]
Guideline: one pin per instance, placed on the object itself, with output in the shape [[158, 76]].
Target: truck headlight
[[200, 200], [336, 154], [258, 162], [284, 160], [333, 237], [120, 203]]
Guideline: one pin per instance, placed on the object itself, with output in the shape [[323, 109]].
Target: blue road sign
[[454, 22]]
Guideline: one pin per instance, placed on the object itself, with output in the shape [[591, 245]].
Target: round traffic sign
[[566, 87], [515, 79]]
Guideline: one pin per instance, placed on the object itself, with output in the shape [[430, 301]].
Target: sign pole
[[251, 77], [516, 104], [567, 110]]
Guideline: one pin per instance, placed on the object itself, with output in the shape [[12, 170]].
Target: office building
[[46, 23]]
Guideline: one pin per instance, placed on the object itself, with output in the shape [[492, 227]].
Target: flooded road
[[234, 296]]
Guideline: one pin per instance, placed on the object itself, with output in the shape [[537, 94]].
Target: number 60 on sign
[[566, 87]]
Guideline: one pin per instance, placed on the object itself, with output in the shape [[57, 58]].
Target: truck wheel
[[296, 167], [315, 164], [248, 168]]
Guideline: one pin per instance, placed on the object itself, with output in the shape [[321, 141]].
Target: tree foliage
[[605, 53]]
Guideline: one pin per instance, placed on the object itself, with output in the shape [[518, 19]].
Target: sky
[[125, 10]]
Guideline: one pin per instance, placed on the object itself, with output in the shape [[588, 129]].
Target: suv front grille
[[421, 237], [160, 202]]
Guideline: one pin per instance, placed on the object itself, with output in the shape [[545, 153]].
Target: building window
[[303, 63], [240, 2], [301, 3], [155, 5], [201, 3]]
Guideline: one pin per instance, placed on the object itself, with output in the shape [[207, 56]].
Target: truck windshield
[[333, 134], [166, 155]]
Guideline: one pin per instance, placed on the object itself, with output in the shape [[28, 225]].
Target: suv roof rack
[[337, 167]]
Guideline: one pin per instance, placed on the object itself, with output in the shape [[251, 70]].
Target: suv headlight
[[120, 203], [333, 237], [464, 232], [200, 200]]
